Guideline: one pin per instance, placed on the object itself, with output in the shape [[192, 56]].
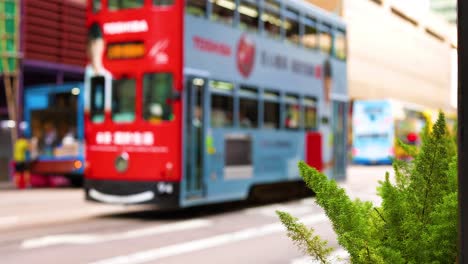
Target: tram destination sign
[[126, 50]]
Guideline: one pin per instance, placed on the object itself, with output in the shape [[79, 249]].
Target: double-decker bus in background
[[54, 115], [197, 102], [376, 126]]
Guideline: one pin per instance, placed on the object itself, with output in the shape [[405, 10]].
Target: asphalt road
[[57, 226]]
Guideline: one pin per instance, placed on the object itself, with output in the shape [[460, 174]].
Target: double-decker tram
[[196, 102]]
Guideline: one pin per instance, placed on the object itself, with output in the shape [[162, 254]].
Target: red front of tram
[[133, 107]]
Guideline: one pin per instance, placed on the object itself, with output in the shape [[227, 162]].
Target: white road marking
[[310, 201], [96, 238], [337, 256], [205, 243], [8, 220], [270, 210], [301, 207]]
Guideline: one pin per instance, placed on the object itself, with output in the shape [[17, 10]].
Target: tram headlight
[[75, 91], [121, 162]]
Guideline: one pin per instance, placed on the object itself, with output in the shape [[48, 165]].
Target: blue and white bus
[[376, 124], [55, 127]]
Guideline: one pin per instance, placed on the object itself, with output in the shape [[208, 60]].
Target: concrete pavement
[[57, 225], [33, 207]]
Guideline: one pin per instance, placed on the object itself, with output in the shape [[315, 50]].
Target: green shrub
[[416, 222]]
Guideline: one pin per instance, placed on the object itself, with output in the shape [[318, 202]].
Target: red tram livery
[[195, 102]]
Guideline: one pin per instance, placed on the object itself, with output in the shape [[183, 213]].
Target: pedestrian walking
[[22, 174]]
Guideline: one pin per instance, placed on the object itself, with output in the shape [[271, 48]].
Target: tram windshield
[[123, 100]]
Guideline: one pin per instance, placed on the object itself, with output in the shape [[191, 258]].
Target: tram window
[[325, 40], [123, 100], [221, 110], [96, 6], [310, 37], [291, 26], [271, 115], [163, 2], [271, 23], [340, 45], [221, 86], [293, 113], [124, 4], [196, 7], [223, 11], [248, 90], [248, 15], [272, 4], [97, 99], [248, 113], [310, 113], [157, 90]]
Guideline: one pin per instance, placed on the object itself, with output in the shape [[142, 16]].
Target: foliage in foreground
[[416, 222]]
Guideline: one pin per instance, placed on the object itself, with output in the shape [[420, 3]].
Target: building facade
[[396, 51], [53, 48], [445, 8]]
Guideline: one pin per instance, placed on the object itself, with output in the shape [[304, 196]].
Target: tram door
[[340, 142], [194, 137]]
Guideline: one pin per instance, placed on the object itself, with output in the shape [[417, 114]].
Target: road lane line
[[96, 238], [205, 243], [304, 206], [337, 256], [270, 210]]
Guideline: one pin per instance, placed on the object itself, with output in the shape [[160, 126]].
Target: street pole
[[462, 131]]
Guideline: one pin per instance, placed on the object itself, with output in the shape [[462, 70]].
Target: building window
[[196, 7], [310, 37], [97, 99], [379, 2], [124, 4], [123, 100], [340, 45], [223, 11], [291, 26], [157, 91], [248, 12]]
